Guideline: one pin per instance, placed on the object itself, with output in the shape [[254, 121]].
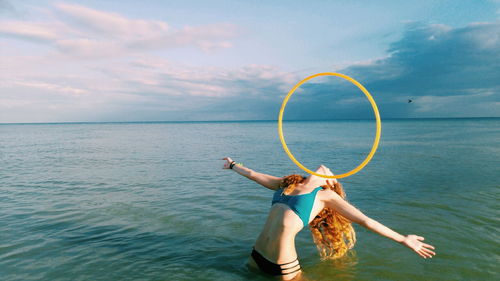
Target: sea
[[150, 200]]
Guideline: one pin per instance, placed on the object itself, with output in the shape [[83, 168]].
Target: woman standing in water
[[320, 203]]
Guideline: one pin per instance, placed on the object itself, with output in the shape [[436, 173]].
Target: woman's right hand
[[227, 165], [415, 243]]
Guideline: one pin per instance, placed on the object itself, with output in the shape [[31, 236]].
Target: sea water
[[149, 201]]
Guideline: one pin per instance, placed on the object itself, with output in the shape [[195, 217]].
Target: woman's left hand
[[415, 243], [227, 165], [324, 170]]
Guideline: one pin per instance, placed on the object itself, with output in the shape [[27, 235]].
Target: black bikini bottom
[[271, 268]]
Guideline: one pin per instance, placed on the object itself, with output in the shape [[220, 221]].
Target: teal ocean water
[[149, 201]]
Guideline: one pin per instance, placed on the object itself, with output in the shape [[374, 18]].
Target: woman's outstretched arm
[[347, 210], [265, 180]]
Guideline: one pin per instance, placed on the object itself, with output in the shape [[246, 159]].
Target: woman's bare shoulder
[[328, 195]]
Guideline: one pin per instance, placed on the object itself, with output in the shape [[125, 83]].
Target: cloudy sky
[[74, 61]]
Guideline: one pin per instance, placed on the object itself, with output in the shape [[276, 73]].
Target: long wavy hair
[[332, 233]]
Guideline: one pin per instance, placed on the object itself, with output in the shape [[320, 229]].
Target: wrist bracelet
[[232, 164]]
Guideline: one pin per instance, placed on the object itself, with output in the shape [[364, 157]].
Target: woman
[[319, 203]]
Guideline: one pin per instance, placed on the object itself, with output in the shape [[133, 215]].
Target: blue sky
[[71, 61]]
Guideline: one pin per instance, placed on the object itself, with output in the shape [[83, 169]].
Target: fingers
[[429, 252], [428, 246], [423, 254], [425, 251], [331, 183], [228, 161], [420, 238], [420, 254]]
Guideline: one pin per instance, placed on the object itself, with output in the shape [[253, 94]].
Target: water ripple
[[151, 202]]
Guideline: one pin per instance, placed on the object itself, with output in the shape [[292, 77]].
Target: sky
[[119, 61]]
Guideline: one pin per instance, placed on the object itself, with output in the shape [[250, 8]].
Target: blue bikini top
[[301, 204]]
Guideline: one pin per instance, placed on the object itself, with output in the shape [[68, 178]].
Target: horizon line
[[235, 121]]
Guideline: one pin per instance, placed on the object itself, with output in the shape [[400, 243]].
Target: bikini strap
[[280, 264], [292, 271], [298, 264]]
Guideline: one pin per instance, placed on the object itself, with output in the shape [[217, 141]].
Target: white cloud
[[447, 72], [148, 85], [112, 24], [89, 48], [427, 104], [103, 66], [81, 32], [29, 30], [100, 62], [161, 77], [50, 87]]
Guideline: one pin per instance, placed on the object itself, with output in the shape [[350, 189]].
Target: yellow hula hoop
[[375, 111]]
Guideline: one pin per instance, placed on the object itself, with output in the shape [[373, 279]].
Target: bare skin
[[276, 242]]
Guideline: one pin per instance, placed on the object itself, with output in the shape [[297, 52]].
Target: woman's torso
[[276, 242]]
